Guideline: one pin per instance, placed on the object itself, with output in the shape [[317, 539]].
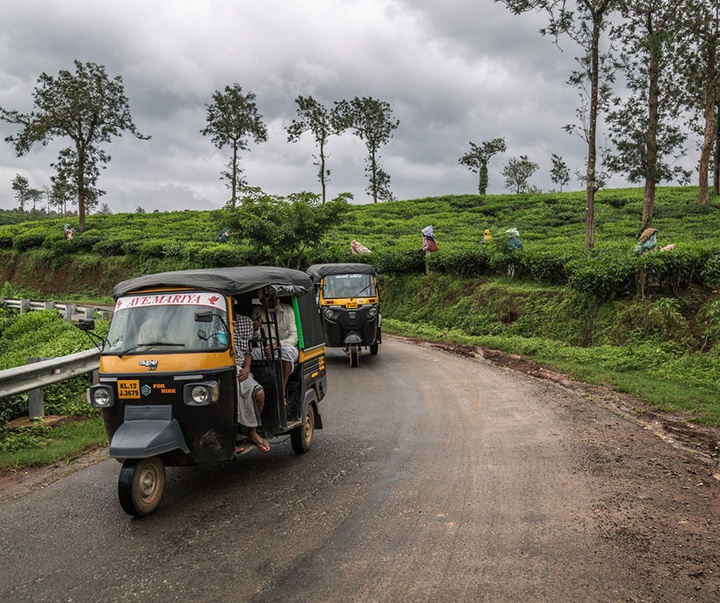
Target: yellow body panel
[[167, 363]]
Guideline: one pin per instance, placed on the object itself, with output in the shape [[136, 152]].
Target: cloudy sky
[[453, 71]]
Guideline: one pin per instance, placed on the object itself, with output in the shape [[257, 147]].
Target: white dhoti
[[248, 414]]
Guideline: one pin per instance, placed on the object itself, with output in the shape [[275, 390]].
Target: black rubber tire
[[141, 485], [354, 354], [302, 436]]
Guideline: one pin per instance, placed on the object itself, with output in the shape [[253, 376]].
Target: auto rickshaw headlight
[[201, 394], [100, 396], [329, 313], [372, 312]]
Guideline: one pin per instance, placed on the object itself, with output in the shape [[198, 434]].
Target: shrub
[[461, 262], [407, 262], [606, 275], [28, 241], [109, 247], [218, 255]]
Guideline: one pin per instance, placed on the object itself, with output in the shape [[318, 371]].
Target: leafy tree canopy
[[315, 118], [478, 157], [232, 119], [517, 174], [283, 229], [372, 121], [87, 107]]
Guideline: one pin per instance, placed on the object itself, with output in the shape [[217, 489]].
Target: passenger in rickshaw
[[287, 330], [251, 396]]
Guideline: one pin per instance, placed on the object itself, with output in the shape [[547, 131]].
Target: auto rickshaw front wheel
[[354, 354], [302, 436], [141, 485]]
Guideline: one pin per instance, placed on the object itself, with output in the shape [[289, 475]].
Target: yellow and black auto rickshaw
[[167, 379], [349, 302]]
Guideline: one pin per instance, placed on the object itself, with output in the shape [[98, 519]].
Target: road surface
[[437, 478]]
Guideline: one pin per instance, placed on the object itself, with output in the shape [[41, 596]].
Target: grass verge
[[43, 445]]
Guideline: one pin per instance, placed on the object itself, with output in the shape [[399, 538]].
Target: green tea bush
[[217, 255], [460, 262], [710, 271], [109, 247], [25, 242], [606, 276], [407, 262]]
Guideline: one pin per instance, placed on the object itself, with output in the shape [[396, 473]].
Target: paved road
[[437, 478]]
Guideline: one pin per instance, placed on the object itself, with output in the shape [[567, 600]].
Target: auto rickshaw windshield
[[177, 322], [348, 285]]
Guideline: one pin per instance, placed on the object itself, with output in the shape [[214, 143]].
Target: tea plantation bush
[[43, 334], [551, 225]]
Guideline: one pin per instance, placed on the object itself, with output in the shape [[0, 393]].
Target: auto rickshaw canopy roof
[[318, 271], [228, 281]]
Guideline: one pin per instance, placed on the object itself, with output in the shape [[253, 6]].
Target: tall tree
[[232, 118], [643, 126], [87, 107], [716, 170], [61, 193], [477, 159], [698, 66], [584, 22], [21, 186], [517, 173], [372, 121], [313, 117], [560, 173]]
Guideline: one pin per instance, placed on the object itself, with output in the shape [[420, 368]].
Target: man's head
[[256, 314]]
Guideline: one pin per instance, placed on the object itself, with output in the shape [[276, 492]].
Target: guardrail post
[[49, 305], [69, 312], [25, 306], [89, 312], [36, 397]]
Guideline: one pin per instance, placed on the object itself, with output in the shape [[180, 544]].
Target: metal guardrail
[[68, 311], [22, 379], [32, 377]]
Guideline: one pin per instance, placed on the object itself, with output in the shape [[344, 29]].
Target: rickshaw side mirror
[[85, 324], [204, 316], [381, 279]]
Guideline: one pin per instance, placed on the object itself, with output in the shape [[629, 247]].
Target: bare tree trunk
[[322, 169], [716, 167], [81, 189], [234, 174], [706, 151], [590, 181], [651, 151], [373, 167]]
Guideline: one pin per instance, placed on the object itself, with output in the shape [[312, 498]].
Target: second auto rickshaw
[[349, 302], [167, 381]]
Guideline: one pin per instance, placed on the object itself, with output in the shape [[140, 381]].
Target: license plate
[[128, 389], [351, 304]]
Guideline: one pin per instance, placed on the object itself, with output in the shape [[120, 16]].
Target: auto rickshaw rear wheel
[[354, 354], [302, 436], [141, 485]]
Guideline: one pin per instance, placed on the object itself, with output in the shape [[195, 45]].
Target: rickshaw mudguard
[[352, 337], [147, 431]]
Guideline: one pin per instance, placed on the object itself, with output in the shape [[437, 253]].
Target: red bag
[[431, 245]]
